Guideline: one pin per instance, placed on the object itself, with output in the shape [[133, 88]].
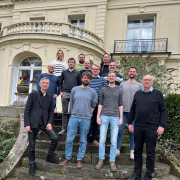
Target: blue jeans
[[121, 131], [105, 120], [72, 129]]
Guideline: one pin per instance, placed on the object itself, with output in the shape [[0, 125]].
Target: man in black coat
[[38, 115]]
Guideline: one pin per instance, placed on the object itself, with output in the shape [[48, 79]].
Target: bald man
[[149, 113], [87, 65], [54, 82]]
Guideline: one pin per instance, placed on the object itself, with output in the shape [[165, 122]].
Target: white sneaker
[[117, 152], [131, 154]]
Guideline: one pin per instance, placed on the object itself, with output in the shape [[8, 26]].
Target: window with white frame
[[80, 22], [140, 35]]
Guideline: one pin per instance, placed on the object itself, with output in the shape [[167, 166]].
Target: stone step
[[89, 171], [122, 159], [23, 173], [62, 138], [91, 148]]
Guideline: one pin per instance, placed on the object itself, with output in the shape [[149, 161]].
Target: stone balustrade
[[63, 29]]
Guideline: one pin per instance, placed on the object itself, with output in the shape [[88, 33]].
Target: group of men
[[97, 93]]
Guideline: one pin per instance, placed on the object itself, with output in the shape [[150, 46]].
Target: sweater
[[59, 67], [71, 79], [129, 89], [148, 109], [97, 83], [53, 86], [82, 100], [111, 99]]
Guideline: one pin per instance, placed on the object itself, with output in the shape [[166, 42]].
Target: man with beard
[[112, 67], [109, 109], [80, 66], [83, 101], [129, 88], [69, 79], [54, 82], [105, 64]]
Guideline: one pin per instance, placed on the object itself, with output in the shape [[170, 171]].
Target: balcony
[[63, 29], [141, 45]]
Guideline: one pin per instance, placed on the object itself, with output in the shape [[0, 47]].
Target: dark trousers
[[149, 136], [32, 137], [95, 126]]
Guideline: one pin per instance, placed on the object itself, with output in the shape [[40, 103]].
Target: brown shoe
[[79, 164], [113, 166], [100, 164], [65, 162], [96, 143]]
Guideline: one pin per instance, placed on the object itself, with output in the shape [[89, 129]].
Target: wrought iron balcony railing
[[140, 45]]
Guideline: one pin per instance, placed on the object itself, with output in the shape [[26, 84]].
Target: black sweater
[[148, 109], [70, 79]]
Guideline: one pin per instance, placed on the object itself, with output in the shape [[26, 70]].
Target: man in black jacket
[[105, 64], [38, 115], [149, 113]]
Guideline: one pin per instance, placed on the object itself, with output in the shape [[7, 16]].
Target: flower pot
[[22, 88]]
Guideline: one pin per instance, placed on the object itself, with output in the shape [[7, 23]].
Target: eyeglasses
[[96, 69], [111, 76], [51, 67], [147, 80]]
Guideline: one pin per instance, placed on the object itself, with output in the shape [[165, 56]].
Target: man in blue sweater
[[54, 82], [149, 113], [96, 83], [83, 101]]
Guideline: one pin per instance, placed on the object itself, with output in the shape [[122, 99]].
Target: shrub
[[172, 129], [7, 138]]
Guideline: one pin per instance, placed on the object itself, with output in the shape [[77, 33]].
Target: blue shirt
[[97, 83], [54, 83], [150, 90]]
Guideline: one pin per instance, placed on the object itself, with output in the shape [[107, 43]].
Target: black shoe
[[51, 160], [32, 169], [63, 131], [147, 178], [40, 131], [134, 177]]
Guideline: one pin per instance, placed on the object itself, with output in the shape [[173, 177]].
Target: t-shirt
[[82, 100], [129, 89], [59, 67], [79, 67], [85, 71]]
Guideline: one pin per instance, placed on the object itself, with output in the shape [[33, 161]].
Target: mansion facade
[[32, 31]]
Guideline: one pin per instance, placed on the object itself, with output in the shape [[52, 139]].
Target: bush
[[7, 138], [172, 129]]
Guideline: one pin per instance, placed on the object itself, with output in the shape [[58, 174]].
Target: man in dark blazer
[[38, 115]]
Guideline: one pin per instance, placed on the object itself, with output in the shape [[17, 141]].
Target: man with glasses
[[54, 82], [96, 83], [80, 66], [105, 64], [69, 79], [149, 113], [109, 109]]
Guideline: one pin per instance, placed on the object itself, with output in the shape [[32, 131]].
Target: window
[[140, 34], [77, 20]]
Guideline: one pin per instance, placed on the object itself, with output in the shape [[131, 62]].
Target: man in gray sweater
[[110, 106], [129, 88], [83, 101]]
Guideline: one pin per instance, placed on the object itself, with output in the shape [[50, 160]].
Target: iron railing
[[140, 45]]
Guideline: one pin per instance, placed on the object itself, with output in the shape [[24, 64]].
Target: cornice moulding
[[6, 5], [153, 3]]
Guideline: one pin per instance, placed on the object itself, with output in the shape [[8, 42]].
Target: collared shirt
[[150, 90]]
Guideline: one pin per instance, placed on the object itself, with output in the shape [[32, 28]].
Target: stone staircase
[[49, 171]]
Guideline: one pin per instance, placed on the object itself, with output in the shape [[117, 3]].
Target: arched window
[[31, 68]]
